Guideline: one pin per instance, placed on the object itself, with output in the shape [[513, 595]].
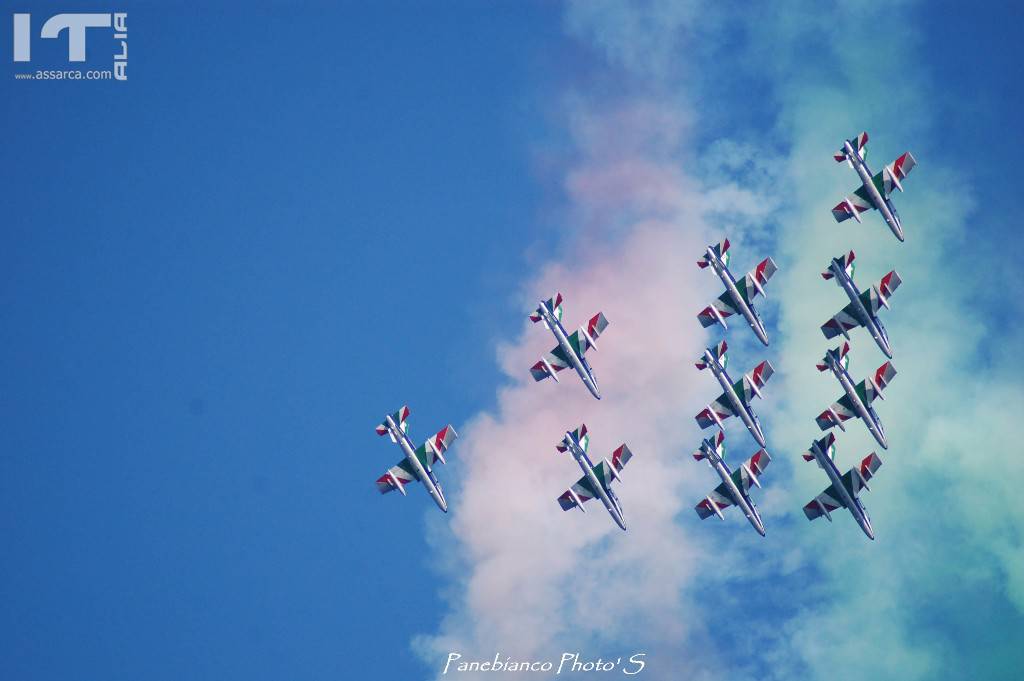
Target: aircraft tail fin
[[841, 354], [718, 352], [859, 143], [827, 445], [721, 249], [580, 435], [719, 445], [846, 262], [399, 418], [554, 305]]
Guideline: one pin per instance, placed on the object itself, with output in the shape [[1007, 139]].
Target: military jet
[[858, 398], [863, 307], [596, 480], [735, 484], [739, 295], [875, 190], [571, 349], [417, 462], [844, 492], [736, 398]]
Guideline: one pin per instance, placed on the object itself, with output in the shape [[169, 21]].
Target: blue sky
[[219, 276]]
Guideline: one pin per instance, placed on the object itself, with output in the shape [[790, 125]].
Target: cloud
[[642, 37], [646, 191], [534, 581]]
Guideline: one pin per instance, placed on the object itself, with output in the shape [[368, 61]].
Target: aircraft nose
[[760, 529]]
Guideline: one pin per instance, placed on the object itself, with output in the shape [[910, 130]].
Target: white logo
[[76, 26]]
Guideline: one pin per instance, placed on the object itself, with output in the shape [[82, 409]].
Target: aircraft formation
[[738, 299]]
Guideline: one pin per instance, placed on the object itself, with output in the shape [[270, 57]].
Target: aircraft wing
[[872, 298], [885, 182], [853, 480], [620, 457], [583, 491], [858, 201], [826, 502], [883, 377], [894, 173], [722, 409], [556, 359], [583, 339], [435, 447], [846, 319], [761, 274], [723, 304], [756, 465], [842, 408], [722, 498], [597, 324], [403, 471], [756, 378]]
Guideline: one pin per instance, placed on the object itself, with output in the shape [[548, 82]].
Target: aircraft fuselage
[[748, 311], [883, 204], [423, 473], [864, 411], [578, 362], [607, 496], [741, 498], [745, 413], [872, 323], [851, 502]]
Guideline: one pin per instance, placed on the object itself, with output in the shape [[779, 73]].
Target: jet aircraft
[[739, 295], [571, 348], [596, 480], [875, 190], [858, 398], [735, 484], [417, 462], [844, 492], [736, 398], [863, 307]]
